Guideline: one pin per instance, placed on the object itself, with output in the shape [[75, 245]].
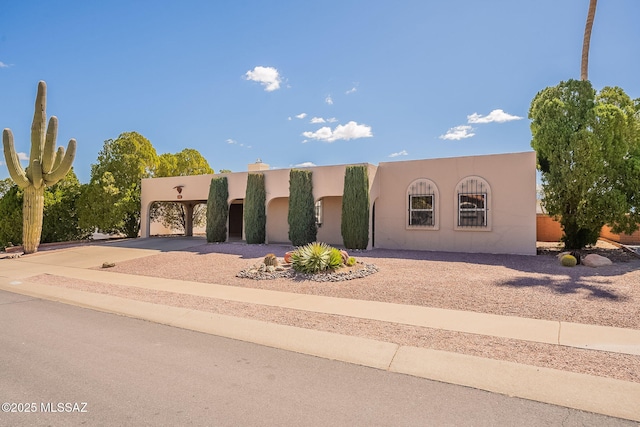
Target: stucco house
[[461, 204]]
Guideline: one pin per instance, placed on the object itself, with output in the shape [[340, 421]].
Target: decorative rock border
[[262, 272]]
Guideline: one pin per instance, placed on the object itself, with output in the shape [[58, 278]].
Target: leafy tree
[[5, 185], [588, 150], [11, 213], [60, 219], [224, 171], [173, 215], [111, 201], [186, 162], [60, 222], [355, 208], [255, 218], [302, 215], [218, 210]]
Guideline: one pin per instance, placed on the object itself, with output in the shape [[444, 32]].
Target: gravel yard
[[528, 286]]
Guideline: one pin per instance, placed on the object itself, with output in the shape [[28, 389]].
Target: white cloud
[[3, 65], [305, 165], [498, 116], [351, 130], [332, 120], [23, 156], [352, 90], [301, 116], [329, 100], [317, 120], [234, 142], [322, 134], [267, 76], [399, 153], [457, 133]]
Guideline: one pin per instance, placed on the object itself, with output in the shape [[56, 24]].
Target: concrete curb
[[585, 392], [590, 337], [579, 391]]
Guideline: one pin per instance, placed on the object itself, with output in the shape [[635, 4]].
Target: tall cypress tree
[[255, 218], [355, 208], [218, 210], [302, 214]]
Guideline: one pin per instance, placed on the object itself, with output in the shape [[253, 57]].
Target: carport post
[[188, 226]]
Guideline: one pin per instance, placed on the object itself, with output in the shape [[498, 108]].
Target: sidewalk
[[591, 393]]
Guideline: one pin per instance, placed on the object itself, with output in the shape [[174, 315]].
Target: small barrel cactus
[[569, 261], [271, 259]]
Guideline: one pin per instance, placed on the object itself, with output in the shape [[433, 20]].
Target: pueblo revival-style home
[[462, 204]]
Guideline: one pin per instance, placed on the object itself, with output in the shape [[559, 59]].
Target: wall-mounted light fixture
[[179, 188]]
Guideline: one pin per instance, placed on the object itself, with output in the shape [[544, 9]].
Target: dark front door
[[235, 220]]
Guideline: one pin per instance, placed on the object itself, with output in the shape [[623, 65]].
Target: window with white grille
[[422, 204], [472, 203]]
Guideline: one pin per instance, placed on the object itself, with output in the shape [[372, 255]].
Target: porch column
[[188, 226]]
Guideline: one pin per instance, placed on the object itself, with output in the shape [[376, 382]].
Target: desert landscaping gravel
[[527, 286]]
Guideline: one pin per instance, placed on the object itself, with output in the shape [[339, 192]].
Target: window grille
[[472, 203], [422, 199]]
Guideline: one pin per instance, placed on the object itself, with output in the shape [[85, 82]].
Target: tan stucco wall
[[277, 220], [512, 204], [330, 232]]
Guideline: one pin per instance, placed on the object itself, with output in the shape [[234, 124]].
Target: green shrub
[[255, 218], [355, 208], [351, 261], [302, 214], [218, 210], [335, 259], [569, 261]]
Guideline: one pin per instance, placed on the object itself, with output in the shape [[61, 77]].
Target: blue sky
[[301, 82]]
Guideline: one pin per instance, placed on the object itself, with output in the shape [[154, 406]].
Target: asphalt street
[[64, 365]]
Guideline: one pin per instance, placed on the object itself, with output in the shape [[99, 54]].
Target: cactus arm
[[13, 163], [36, 177], [49, 153], [65, 165], [59, 157], [39, 123]]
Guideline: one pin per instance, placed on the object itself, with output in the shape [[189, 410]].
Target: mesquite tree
[[46, 167], [588, 150]]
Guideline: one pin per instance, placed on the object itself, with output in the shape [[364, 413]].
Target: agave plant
[[312, 258]]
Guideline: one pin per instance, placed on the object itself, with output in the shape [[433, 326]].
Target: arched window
[[422, 204], [473, 204]]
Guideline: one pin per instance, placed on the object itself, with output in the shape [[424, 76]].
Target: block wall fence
[[549, 230]]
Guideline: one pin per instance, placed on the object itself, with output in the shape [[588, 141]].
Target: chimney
[[258, 166]]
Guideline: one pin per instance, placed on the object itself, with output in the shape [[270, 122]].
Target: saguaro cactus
[[46, 167]]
